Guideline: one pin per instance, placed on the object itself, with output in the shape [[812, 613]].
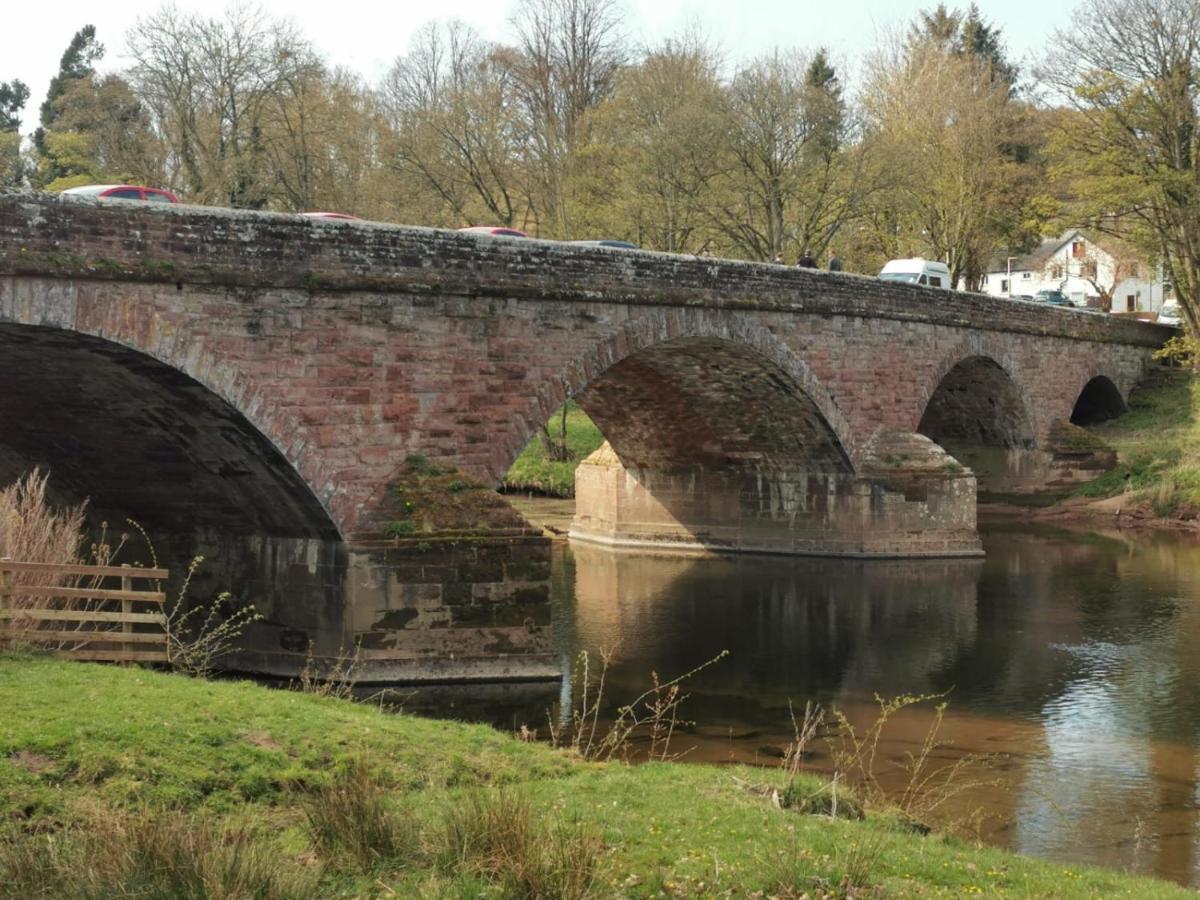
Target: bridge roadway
[[345, 392]]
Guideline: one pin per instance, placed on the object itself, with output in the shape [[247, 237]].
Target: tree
[[1128, 69], [453, 108], [788, 181], [13, 95], [944, 128], [568, 57], [77, 63], [210, 85], [99, 132], [656, 151], [964, 33]]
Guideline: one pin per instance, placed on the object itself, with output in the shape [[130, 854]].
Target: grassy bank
[[1158, 446], [124, 782], [533, 471]]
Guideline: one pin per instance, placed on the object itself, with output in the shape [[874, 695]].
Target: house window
[[1025, 276], [1078, 250], [1056, 271], [1089, 269], [1130, 303], [1134, 271], [1004, 285]]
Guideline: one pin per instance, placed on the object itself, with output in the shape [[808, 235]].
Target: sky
[[366, 35]]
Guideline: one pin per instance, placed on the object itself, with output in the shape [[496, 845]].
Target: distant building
[[1099, 272]]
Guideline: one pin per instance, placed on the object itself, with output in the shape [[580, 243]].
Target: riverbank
[[1156, 482], [292, 795]]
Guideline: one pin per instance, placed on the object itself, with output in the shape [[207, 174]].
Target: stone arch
[[976, 344], [977, 401], [693, 337], [211, 433], [1098, 400]]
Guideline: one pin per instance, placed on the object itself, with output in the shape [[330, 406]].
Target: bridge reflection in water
[[1068, 655]]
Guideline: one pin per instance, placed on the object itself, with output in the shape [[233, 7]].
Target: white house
[[1102, 273]]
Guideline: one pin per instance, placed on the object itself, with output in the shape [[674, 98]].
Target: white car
[[1170, 314], [928, 272]]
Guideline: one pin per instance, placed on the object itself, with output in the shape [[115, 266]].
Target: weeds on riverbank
[[150, 854], [653, 715], [354, 815], [1156, 442]]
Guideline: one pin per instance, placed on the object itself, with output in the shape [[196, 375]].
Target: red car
[[123, 192], [330, 215], [491, 229]]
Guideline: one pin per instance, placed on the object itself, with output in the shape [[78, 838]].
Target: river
[[1070, 659]]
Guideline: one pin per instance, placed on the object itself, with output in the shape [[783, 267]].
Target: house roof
[[1036, 259]]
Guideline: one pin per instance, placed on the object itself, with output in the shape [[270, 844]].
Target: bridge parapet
[[59, 237]]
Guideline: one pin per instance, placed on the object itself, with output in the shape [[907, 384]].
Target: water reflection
[[1071, 653]]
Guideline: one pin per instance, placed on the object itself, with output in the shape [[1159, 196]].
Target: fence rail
[[79, 612]]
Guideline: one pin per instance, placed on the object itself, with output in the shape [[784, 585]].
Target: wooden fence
[[87, 620]]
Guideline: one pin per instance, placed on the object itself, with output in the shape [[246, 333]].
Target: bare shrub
[[353, 816], [332, 679], [493, 834], [926, 786], [198, 634], [654, 714]]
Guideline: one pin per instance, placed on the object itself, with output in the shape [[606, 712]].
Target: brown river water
[[1071, 659]]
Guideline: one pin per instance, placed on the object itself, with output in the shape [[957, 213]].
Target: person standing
[[779, 259], [835, 261], [806, 261]]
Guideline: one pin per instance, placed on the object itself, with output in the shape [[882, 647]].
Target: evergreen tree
[[78, 62], [13, 95]]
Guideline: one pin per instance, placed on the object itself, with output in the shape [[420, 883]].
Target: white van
[[928, 272]]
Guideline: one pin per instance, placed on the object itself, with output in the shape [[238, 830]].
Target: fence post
[[126, 607], [7, 626]]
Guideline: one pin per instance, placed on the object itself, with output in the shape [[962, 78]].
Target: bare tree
[[208, 83], [790, 180], [452, 103], [569, 55]]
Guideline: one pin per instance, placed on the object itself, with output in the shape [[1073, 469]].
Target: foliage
[[534, 470], [1126, 70], [1156, 441], [653, 715], [956, 189]]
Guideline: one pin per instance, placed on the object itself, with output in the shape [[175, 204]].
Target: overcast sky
[[366, 35]]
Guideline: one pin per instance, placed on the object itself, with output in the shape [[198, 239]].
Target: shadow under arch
[[708, 404], [751, 344], [978, 403], [139, 438], [1098, 401]]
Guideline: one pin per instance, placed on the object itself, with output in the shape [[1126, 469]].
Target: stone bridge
[[338, 398]]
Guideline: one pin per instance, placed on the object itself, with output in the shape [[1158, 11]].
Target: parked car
[[123, 192], [330, 215], [928, 272], [494, 230], [1054, 298], [1170, 314], [607, 242]]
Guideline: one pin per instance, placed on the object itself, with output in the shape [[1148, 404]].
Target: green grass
[[304, 796], [1158, 445], [534, 472]]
